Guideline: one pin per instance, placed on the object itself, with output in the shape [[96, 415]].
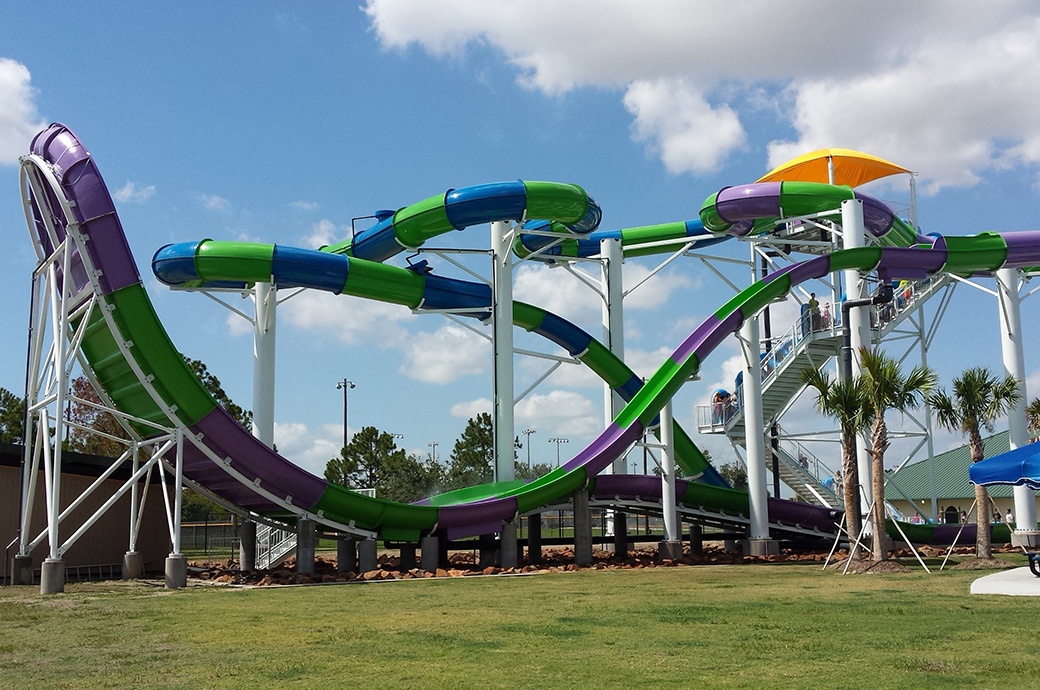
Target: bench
[[1034, 563]]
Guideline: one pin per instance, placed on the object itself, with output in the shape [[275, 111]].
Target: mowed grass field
[[734, 626]]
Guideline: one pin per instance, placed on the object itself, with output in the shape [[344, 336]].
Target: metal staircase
[[799, 348], [274, 546], [781, 374], [805, 484]]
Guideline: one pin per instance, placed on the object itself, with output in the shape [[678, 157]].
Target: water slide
[[339, 270], [547, 241], [140, 370]]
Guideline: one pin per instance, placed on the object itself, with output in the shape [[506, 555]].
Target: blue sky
[[279, 123]]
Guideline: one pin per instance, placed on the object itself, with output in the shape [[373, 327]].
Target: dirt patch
[[869, 567], [983, 564]]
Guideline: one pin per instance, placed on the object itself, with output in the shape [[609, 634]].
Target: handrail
[[272, 543], [906, 297]]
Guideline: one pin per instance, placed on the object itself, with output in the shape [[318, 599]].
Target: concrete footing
[[534, 539], [582, 528], [247, 546], [508, 552], [346, 556], [408, 556], [176, 571], [132, 565], [367, 555], [487, 551], [431, 551], [22, 571], [306, 542], [669, 550], [1025, 539], [620, 521], [761, 547], [52, 576], [697, 540]]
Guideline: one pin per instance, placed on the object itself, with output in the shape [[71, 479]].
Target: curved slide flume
[[209, 263], [644, 240], [752, 209], [412, 226]]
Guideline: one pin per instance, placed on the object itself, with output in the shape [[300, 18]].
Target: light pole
[[558, 440], [434, 444], [527, 433], [345, 385]]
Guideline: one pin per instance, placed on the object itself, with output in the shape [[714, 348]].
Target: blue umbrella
[[1020, 467]]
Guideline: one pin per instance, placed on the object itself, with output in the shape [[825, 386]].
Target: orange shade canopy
[[851, 168]]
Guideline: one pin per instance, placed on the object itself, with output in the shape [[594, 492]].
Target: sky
[[275, 122]]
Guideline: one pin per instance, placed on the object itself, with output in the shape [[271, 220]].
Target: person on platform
[[814, 312]]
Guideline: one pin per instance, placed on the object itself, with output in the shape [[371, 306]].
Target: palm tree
[[886, 388], [979, 398], [1033, 415], [844, 401]]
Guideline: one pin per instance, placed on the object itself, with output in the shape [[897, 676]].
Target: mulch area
[[464, 564], [899, 557]]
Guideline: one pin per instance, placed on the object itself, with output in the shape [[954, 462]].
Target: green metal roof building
[[953, 491]]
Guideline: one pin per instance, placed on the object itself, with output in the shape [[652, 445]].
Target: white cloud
[[445, 355], [238, 326], [323, 233], [214, 202], [644, 363], [471, 408], [304, 205], [19, 121], [556, 291], [561, 412], [952, 110], [131, 193], [674, 118], [556, 412], [567, 375], [311, 450], [351, 320], [655, 293], [947, 90]]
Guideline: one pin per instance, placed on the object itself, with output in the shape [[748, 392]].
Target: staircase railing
[[273, 545], [908, 295], [808, 327]]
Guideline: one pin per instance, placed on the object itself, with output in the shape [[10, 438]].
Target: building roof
[[951, 474]]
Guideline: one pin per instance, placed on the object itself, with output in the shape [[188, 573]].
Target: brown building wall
[[106, 541]]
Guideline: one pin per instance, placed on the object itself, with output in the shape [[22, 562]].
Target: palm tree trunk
[[850, 480], [879, 444], [877, 514], [983, 540]]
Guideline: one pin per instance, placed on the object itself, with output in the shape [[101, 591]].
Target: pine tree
[[473, 456], [12, 417]]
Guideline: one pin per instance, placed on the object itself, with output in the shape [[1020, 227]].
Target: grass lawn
[[734, 626]]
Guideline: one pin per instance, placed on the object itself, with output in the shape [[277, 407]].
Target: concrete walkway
[[1017, 582]]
